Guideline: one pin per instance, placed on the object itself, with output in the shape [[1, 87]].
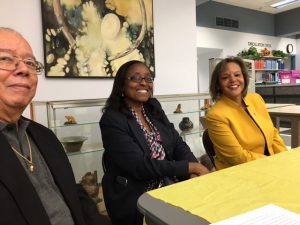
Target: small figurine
[[90, 184], [186, 124], [70, 120], [206, 106], [178, 109]]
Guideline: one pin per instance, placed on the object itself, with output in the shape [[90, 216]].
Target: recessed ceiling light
[[284, 3]]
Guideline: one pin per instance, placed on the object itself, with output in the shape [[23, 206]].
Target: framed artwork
[[93, 38]]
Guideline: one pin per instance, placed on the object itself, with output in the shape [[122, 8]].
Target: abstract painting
[[93, 38]]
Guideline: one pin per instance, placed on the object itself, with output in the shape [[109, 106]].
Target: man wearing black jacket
[[37, 185]]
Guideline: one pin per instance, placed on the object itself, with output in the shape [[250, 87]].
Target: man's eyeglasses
[[138, 79], [11, 63]]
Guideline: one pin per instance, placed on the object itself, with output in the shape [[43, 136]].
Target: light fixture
[[284, 3]]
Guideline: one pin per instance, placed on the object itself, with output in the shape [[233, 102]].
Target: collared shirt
[[41, 178]]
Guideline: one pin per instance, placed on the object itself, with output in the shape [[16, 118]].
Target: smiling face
[[232, 82], [137, 93], [17, 87]]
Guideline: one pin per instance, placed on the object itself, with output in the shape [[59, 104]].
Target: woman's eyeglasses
[[10, 63], [138, 79]]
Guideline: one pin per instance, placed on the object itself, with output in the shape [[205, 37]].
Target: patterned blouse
[[155, 144]]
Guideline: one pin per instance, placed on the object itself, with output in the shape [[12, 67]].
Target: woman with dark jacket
[[142, 148]]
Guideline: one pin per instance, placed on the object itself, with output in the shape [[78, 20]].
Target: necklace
[[28, 159]]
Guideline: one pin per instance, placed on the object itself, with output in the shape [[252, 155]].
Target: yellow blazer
[[236, 137]]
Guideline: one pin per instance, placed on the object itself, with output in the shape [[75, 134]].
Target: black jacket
[[128, 164], [20, 203]]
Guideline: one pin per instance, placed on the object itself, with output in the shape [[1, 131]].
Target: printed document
[[266, 215]]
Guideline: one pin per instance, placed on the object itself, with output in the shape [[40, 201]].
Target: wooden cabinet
[[282, 93]]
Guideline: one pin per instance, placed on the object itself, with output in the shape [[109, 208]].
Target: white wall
[[233, 42], [225, 43], [175, 46], [175, 52], [203, 67]]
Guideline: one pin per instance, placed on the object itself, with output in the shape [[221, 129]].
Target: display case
[[85, 114], [80, 119], [192, 106]]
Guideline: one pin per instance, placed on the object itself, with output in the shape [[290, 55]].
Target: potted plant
[[279, 53], [251, 53]]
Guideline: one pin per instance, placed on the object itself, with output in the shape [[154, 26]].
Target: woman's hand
[[193, 176], [197, 169]]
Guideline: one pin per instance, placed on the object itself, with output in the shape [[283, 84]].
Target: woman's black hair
[[214, 87], [116, 99]]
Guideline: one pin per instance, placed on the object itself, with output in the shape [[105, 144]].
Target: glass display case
[[75, 119], [193, 107], [79, 119]]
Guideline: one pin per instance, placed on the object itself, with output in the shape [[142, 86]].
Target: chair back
[[209, 147]]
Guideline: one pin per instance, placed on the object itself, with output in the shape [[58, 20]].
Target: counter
[[279, 93]]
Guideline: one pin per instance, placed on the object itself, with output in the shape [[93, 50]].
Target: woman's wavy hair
[[214, 87], [116, 99]]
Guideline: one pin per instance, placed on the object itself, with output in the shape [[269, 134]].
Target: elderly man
[[37, 185]]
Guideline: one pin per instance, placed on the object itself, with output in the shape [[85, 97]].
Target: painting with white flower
[[93, 38]]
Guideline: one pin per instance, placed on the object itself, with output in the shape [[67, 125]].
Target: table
[[158, 212], [277, 105], [228, 192], [291, 112]]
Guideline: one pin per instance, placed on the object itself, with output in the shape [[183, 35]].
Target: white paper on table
[[266, 215]]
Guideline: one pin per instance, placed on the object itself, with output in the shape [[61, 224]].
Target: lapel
[[255, 114], [13, 176], [165, 135], [138, 133]]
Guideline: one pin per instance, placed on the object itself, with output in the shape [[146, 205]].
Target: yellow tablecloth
[[235, 190]]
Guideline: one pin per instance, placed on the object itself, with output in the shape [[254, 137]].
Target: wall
[[204, 54], [250, 21], [175, 52], [223, 43], [232, 42], [287, 23], [175, 41]]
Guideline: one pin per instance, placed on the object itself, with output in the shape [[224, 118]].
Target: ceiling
[[259, 5]]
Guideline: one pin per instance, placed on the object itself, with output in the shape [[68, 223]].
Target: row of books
[[269, 64], [284, 77], [271, 77]]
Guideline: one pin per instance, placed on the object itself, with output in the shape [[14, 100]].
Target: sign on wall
[[259, 44], [93, 38]]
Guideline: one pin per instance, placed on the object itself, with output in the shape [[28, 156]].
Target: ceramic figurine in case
[[186, 124]]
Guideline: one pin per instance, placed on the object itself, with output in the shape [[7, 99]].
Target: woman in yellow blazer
[[239, 124]]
